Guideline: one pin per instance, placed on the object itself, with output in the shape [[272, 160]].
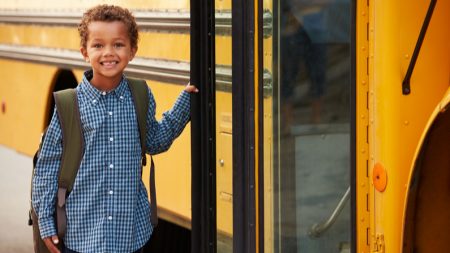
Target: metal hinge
[[379, 244]]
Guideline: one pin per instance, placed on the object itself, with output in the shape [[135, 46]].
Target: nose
[[109, 50]]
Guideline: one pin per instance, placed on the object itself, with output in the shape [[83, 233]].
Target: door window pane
[[307, 126]]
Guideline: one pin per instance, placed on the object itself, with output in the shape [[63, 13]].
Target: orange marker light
[[379, 177]]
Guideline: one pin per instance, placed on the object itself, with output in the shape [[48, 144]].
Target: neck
[[105, 83]]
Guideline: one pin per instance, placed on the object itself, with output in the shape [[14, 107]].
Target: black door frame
[[243, 67], [203, 129]]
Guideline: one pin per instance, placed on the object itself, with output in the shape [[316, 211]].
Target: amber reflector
[[379, 177]]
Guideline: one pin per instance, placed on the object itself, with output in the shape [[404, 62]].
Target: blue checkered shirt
[[108, 209]]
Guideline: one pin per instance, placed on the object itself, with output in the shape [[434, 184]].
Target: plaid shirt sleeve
[[160, 135], [45, 180]]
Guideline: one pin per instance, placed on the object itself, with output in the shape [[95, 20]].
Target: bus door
[[273, 126]]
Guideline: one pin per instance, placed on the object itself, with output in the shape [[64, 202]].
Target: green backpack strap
[[69, 117], [139, 91]]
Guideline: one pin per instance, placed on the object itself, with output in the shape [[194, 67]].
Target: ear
[[133, 53], [84, 53]]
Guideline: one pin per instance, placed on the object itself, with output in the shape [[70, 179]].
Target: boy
[[108, 208]]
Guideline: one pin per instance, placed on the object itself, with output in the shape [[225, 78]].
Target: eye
[[118, 45], [98, 46]]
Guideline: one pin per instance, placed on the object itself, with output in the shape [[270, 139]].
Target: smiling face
[[108, 50]]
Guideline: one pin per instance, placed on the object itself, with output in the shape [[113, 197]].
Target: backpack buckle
[[144, 160]]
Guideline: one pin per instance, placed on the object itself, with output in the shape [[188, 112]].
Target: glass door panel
[[307, 117], [224, 164]]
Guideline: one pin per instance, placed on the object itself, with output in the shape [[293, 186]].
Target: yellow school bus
[[320, 126]]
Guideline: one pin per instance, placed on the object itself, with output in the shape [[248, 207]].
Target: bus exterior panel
[[397, 120], [174, 48], [24, 85], [84, 4]]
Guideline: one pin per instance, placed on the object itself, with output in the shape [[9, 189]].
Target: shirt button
[[111, 166], [94, 101], [110, 113], [111, 139], [104, 93], [121, 97], [109, 217], [111, 192]]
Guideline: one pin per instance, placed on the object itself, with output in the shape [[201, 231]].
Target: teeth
[[108, 63]]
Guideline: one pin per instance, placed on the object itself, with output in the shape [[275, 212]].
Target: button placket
[[109, 124]]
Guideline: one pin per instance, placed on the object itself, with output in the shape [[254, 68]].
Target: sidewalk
[[15, 175]]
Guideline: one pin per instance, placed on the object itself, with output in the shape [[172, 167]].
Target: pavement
[[15, 175]]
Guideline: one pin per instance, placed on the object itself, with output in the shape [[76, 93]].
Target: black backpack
[[69, 118]]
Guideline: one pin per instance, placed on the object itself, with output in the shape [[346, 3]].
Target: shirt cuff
[[182, 107], [47, 227]]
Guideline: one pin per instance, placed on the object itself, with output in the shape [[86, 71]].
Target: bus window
[[307, 127]]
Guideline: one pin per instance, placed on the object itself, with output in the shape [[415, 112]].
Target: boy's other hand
[[191, 88], [51, 243]]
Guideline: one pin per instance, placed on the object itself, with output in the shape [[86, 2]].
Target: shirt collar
[[93, 94]]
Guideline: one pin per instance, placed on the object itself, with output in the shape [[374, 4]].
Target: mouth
[[109, 63]]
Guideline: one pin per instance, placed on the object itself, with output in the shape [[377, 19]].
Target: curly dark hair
[[108, 13]]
